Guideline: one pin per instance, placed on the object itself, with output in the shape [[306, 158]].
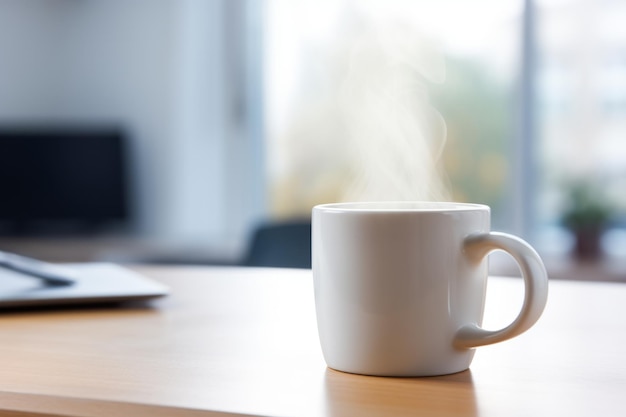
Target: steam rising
[[396, 136], [365, 130]]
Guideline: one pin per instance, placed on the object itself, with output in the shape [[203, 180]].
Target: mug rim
[[396, 206]]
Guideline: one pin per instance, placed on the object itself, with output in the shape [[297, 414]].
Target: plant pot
[[588, 243]]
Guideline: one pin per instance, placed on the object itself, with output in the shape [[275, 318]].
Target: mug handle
[[476, 247]]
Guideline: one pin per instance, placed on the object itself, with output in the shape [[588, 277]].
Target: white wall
[[31, 57], [157, 67]]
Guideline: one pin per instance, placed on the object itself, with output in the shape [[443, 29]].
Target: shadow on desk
[[354, 395]]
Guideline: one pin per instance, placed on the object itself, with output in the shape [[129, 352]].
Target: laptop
[[90, 283]]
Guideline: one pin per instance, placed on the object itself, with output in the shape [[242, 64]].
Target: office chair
[[283, 244]]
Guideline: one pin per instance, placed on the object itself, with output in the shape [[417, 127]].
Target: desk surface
[[243, 341]]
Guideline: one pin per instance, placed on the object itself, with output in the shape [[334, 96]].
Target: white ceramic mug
[[400, 286]]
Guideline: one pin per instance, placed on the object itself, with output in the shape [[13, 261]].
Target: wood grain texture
[[231, 341]]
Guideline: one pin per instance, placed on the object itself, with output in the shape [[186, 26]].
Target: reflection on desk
[[244, 341]]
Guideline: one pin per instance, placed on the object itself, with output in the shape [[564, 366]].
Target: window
[[384, 140], [581, 49], [534, 101]]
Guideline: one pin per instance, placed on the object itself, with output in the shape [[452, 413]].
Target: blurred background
[[169, 131]]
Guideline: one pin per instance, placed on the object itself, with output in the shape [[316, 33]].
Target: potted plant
[[587, 215]]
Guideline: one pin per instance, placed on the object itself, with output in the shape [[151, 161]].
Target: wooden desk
[[243, 341]]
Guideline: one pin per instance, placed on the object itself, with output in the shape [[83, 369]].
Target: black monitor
[[62, 179]]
